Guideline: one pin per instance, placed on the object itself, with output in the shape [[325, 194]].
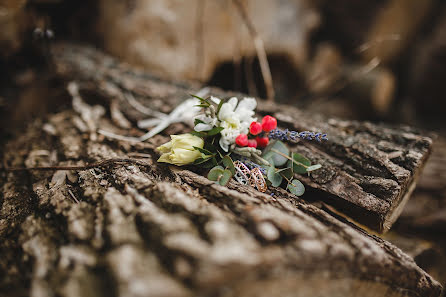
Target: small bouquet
[[228, 139]]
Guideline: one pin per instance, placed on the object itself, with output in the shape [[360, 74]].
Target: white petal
[[223, 144], [247, 103], [215, 100], [201, 117], [244, 115], [226, 111], [204, 118], [202, 127], [233, 102]]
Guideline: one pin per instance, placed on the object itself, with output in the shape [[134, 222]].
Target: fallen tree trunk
[[369, 171], [147, 229]]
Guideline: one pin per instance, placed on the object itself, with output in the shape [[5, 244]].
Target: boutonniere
[[230, 142]]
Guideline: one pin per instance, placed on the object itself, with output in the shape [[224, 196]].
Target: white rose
[[180, 150]]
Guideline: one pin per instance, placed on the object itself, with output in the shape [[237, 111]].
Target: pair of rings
[[252, 177]]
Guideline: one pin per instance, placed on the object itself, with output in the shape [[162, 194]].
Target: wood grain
[[369, 170]]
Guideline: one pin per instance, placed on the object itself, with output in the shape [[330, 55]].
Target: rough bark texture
[[424, 217], [427, 212], [155, 230], [369, 171]]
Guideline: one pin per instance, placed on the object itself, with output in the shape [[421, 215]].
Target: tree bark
[[369, 171], [147, 229]]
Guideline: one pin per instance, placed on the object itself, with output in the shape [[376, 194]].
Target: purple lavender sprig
[[287, 135]]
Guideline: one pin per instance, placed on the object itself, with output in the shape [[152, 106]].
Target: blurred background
[[375, 60]]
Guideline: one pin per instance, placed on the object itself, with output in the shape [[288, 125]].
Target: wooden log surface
[[147, 229], [369, 170]]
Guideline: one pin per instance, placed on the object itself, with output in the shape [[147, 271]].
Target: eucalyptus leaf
[[277, 158], [269, 158], [300, 163], [274, 177], [301, 159], [296, 167], [314, 167], [225, 178], [214, 161], [211, 163], [227, 161], [216, 173], [287, 173], [296, 187]]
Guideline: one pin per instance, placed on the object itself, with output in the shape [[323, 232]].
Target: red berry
[[255, 128], [262, 141], [269, 123], [252, 143], [242, 140]]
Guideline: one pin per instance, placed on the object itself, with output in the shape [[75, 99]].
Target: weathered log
[[369, 170], [155, 230], [422, 223], [426, 211]]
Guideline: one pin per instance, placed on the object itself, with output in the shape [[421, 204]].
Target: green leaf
[[287, 173], [296, 167], [209, 146], [277, 158], [282, 169], [296, 187], [212, 162], [199, 134], [204, 151], [227, 161], [203, 105], [274, 177], [198, 121], [300, 163], [314, 167], [202, 160], [215, 173], [199, 98], [269, 157], [215, 131], [301, 159], [225, 178]]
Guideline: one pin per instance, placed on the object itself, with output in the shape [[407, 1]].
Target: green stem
[[261, 160], [289, 158], [288, 180]]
